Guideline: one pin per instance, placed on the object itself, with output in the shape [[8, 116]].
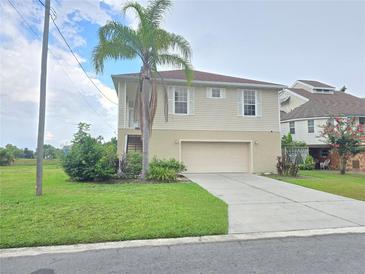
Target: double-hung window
[[249, 103], [292, 127], [310, 126], [181, 100]]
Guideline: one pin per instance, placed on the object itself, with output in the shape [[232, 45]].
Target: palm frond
[[115, 42], [139, 10], [175, 60], [156, 10]]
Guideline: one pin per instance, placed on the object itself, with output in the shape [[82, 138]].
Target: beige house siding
[[210, 114], [265, 146], [294, 102]]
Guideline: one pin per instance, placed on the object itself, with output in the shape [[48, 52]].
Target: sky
[[274, 41]]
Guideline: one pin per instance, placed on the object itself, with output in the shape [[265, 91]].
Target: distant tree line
[[10, 152]]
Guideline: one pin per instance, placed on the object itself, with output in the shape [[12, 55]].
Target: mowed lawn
[[70, 212], [348, 185]]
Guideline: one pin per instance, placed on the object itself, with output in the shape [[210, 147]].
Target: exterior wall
[[166, 144], [210, 114], [294, 102], [301, 131], [335, 163]]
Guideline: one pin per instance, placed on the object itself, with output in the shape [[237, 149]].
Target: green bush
[[308, 163], [173, 164], [132, 165], [89, 158], [162, 174], [6, 157], [165, 170]]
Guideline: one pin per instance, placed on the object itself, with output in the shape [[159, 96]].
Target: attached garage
[[216, 156]]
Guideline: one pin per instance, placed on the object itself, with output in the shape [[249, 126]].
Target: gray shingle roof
[[316, 84], [326, 105]]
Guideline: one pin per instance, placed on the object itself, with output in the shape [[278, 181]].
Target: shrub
[[131, 166], [89, 158], [162, 174], [173, 164], [285, 167], [165, 170], [308, 163], [6, 157]]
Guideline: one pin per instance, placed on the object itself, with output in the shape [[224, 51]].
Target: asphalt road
[[319, 254]]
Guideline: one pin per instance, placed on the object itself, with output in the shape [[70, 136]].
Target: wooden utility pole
[[42, 100]]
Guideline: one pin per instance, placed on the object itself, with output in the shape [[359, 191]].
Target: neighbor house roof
[[203, 77], [316, 84], [325, 105]]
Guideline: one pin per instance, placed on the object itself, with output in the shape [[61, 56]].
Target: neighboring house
[[308, 105], [218, 124]]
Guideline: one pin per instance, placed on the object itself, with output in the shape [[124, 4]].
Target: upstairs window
[[292, 127], [310, 126], [181, 100], [249, 103], [216, 93]]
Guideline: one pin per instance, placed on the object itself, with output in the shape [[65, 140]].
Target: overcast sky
[[265, 40]]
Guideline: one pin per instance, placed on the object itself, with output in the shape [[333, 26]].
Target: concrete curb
[[33, 251]]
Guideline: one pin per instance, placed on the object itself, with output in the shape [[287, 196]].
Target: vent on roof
[[323, 90]]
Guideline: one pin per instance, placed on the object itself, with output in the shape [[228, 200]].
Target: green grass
[[348, 185], [70, 212]]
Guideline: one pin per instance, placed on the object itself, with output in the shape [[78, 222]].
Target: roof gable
[[316, 84]]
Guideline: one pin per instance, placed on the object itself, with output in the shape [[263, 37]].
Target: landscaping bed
[[348, 185], [70, 212]]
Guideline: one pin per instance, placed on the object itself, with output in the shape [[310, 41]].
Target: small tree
[[344, 137]]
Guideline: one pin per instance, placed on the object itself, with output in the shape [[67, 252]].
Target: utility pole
[[42, 100]]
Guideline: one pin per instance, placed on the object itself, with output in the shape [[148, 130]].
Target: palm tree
[[154, 46]]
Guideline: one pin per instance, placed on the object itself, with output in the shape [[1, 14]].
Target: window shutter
[[258, 103], [223, 93], [240, 103], [171, 100], [191, 101]]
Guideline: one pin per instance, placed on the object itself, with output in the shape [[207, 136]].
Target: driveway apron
[[261, 204]]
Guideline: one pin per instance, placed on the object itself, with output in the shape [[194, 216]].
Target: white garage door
[[215, 156]]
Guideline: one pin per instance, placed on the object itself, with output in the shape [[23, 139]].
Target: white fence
[[295, 154]]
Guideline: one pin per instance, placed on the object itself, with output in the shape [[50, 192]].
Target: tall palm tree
[[154, 46]]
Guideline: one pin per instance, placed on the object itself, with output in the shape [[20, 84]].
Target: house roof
[[316, 84], [201, 76], [325, 105]]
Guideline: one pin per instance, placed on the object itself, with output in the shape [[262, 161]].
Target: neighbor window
[[362, 120], [181, 100], [292, 127], [249, 103], [310, 126]]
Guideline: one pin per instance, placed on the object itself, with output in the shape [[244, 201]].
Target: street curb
[[33, 251]]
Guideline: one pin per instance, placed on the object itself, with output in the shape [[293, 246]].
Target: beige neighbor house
[[307, 105], [217, 124]]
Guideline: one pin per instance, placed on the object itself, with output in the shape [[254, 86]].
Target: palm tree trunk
[[145, 125]]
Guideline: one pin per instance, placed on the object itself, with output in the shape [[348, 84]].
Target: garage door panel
[[215, 156]]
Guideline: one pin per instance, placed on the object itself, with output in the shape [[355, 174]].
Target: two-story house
[[217, 124], [307, 105]]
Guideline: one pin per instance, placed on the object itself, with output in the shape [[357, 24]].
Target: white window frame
[[243, 103], [290, 127], [222, 93], [310, 127], [187, 102]]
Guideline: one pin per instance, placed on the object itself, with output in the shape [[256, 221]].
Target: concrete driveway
[[261, 204]]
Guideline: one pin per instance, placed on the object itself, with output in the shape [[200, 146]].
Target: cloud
[[71, 97]]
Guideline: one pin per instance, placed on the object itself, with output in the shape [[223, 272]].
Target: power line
[[55, 57], [77, 60]]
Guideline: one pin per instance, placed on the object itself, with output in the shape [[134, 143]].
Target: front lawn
[[348, 185], [70, 212]]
